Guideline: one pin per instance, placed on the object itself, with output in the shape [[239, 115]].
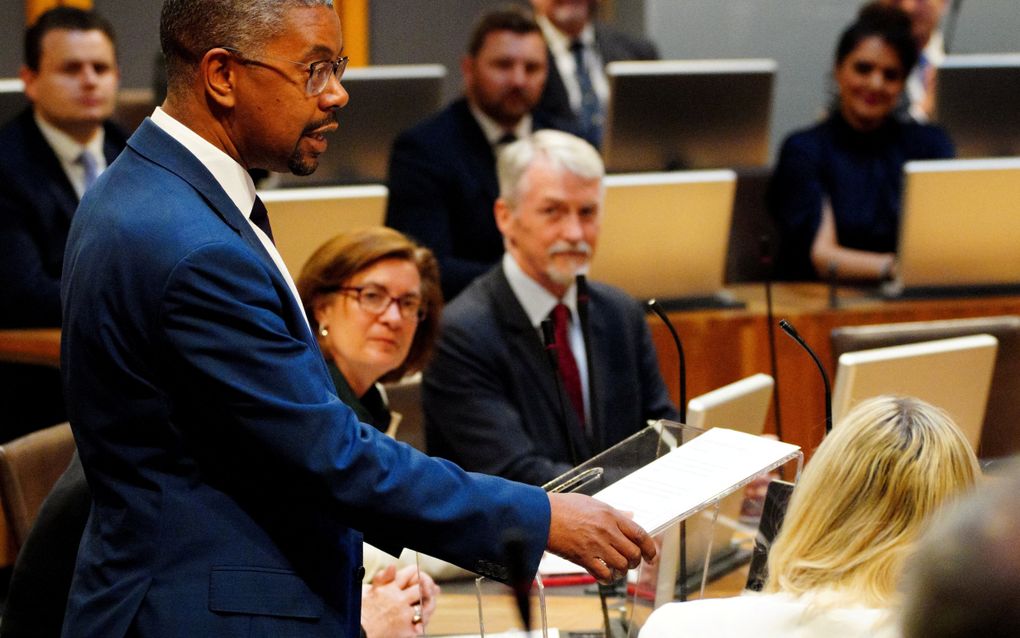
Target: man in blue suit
[[493, 401], [230, 486], [70, 77], [442, 174]]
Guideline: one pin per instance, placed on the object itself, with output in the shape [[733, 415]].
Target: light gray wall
[[801, 36]]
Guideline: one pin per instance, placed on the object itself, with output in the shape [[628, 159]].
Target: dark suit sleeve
[[473, 411], [30, 294], [421, 186], [223, 321]]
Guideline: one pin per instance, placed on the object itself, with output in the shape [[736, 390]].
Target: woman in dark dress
[[836, 191]]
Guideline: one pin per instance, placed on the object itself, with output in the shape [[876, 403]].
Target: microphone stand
[[657, 309], [789, 329], [765, 259]]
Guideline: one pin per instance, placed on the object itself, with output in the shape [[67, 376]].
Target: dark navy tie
[[260, 217], [590, 115]]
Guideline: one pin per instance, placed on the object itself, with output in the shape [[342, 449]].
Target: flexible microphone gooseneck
[[765, 259], [789, 329], [549, 339], [657, 309]]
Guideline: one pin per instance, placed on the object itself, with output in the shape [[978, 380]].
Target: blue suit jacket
[[228, 480], [37, 202], [491, 396], [442, 183]]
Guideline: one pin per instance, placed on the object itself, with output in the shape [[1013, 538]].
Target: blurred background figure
[[853, 521], [837, 188], [49, 155], [579, 49], [926, 20], [966, 578]]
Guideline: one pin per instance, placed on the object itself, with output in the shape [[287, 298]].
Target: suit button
[[359, 574]]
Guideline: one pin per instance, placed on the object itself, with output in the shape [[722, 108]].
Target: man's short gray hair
[[563, 150], [189, 28]]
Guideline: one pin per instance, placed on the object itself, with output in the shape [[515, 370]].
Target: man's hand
[[604, 541]]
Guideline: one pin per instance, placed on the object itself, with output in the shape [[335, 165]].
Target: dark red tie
[[567, 363]]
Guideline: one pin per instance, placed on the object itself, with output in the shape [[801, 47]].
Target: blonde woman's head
[[865, 498]]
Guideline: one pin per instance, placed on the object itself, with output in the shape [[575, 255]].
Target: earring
[[323, 331]]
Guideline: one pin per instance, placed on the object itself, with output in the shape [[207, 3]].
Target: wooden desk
[[457, 610], [40, 346], [722, 346]]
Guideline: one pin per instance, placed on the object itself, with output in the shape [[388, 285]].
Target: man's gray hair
[[563, 150], [189, 28]]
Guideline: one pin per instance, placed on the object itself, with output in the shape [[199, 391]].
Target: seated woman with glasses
[[853, 522], [836, 190], [373, 298]]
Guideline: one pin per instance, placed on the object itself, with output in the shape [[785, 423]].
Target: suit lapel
[[483, 164], [59, 185], [160, 148], [524, 340]]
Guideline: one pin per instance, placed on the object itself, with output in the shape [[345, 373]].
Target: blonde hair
[[865, 498]]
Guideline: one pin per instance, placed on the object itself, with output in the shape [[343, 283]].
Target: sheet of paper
[[696, 472], [553, 565], [534, 633]]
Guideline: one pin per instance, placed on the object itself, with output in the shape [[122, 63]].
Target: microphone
[[583, 298], [789, 329], [832, 277], [514, 551], [549, 339], [765, 259], [657, 309]]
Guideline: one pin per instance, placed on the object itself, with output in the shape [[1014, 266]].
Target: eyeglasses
[[376, 300], [318, 72]]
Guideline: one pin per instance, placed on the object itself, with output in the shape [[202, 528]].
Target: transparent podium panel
[[685, 486]]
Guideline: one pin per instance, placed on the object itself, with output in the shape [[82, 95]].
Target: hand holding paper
[[603, 540]]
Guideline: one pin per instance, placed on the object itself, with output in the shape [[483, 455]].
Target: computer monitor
[[12, 99], [959, 227], [741, 405], [384, 101], [664, 235], [953, 374], [976, 102], [688, 114], [304, 218]]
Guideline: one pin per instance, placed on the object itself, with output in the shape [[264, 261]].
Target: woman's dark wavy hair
[[890, 24]]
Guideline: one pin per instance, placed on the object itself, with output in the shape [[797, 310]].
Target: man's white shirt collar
[[68, 150], [536, 300], [493, 131]]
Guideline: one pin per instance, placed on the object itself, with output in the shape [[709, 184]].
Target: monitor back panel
[[384, 101], [977, 102], [664, 235], [953, 374], [960, 224], [742, 405], [304, 218], [688, 114]]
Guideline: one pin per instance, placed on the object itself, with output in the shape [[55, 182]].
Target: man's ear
[[501, 209], [28, 77], [218, 70]]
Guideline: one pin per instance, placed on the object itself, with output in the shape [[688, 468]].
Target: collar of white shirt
[[493, 131], [68, 150], [536, 300]]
